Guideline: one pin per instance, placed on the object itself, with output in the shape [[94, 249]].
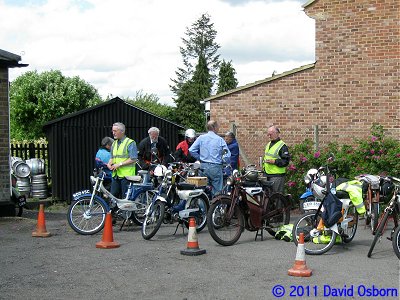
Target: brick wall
[[4, 137], [353, 84]]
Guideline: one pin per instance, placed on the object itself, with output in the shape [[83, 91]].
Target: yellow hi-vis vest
[[273, 153], [354, 188], [120, 154]]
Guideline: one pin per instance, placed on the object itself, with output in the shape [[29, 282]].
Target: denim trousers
[[213, 172], [119, 187]]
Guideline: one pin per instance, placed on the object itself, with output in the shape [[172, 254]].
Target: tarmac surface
[[67, 265]]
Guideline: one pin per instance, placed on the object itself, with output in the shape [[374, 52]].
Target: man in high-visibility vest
[[124, 155], [276, 159]]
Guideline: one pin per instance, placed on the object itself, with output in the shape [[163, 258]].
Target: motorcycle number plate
[[22, 200], [311, 205]]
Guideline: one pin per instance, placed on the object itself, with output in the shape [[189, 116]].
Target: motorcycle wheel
[[305, 225], [396, 241], [138, 215], [277, 203], [153, 220], [201, 220], [224, 231], [84, 220], [350, 232]]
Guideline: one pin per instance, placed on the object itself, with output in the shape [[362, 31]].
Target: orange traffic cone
[[192, 244], [300, 268], [107, 240], [41, 224]]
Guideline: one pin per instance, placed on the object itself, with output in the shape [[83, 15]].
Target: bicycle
[[371, 187], [86, 214], [250, 205], [391, 210]]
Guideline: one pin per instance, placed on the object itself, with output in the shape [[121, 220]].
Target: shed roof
[[109, 102], [10, 60], [272, 78]]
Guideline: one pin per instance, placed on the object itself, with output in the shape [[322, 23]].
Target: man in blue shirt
[[233, 146], [209, 149]]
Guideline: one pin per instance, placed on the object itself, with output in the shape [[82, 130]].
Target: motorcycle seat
[[342, 194], [265, 182], [186, 186], [134, 178]]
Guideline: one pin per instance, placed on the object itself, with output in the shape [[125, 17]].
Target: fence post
[[31, 150]]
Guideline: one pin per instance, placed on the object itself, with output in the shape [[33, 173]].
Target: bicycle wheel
[[316, 241], [201, 217], [396, 241], [349, 231], [374, 216], [138, 215], [277, 205], [379, 231], [85, 220], [153, 220], [224, 230]]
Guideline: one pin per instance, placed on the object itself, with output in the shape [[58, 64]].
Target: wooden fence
[[31, 150]]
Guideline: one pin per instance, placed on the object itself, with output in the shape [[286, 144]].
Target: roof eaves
[[275, 77], [10, 60], [309, 2]]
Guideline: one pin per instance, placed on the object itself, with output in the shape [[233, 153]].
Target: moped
[[16, 197], [175, 200], [250, 205], [87, 212]]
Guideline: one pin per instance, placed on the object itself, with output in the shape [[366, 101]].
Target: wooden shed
[[75, 138]]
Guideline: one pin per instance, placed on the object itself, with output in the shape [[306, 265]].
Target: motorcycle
[[318, 238], [250, 205], [307, 199], [87, 212], [175, 200], [16, 197]]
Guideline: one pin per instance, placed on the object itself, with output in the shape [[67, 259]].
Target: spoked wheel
[[349, 231], [153, 220], [316, 240], [379, 231], [279, 213], [225, 230], [201, 216], [85, 220], [138, 215], [396, 241]]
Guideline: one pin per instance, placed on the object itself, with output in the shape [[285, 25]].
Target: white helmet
[[318, 189], [310, 176], [190, 133]]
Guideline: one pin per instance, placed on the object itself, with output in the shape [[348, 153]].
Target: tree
[[150, 103], [226, 75], [190, 111], [199, 43], [36, 99]]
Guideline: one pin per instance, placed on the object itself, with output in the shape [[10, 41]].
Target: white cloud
[[123, 46]]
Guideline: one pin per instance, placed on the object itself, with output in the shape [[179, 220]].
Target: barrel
[[21, 169], [39, 186], [24, 185], [36, 165]]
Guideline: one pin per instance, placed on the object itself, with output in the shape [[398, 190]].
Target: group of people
[[217, 156]]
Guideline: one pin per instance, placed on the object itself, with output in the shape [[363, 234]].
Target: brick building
[[353, 84], [7, 60]]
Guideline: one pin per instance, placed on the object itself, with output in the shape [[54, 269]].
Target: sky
[[123, 47]]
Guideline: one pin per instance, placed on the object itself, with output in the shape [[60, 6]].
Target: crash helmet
[[190, 133], [318, 188]]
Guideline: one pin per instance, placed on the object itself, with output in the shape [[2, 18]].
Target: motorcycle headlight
[[229, 180]]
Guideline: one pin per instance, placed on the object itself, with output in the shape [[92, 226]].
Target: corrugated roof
[[272, 78]]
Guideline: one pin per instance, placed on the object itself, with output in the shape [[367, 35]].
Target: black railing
[[27, 151]]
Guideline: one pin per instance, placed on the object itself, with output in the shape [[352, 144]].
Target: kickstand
[[261, 234], [176, 229], [122, 225]]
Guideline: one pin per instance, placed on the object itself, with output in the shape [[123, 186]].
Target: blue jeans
[[213, 172], [119, 187]]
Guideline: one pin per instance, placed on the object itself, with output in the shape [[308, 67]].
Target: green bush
[[377, 155]]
